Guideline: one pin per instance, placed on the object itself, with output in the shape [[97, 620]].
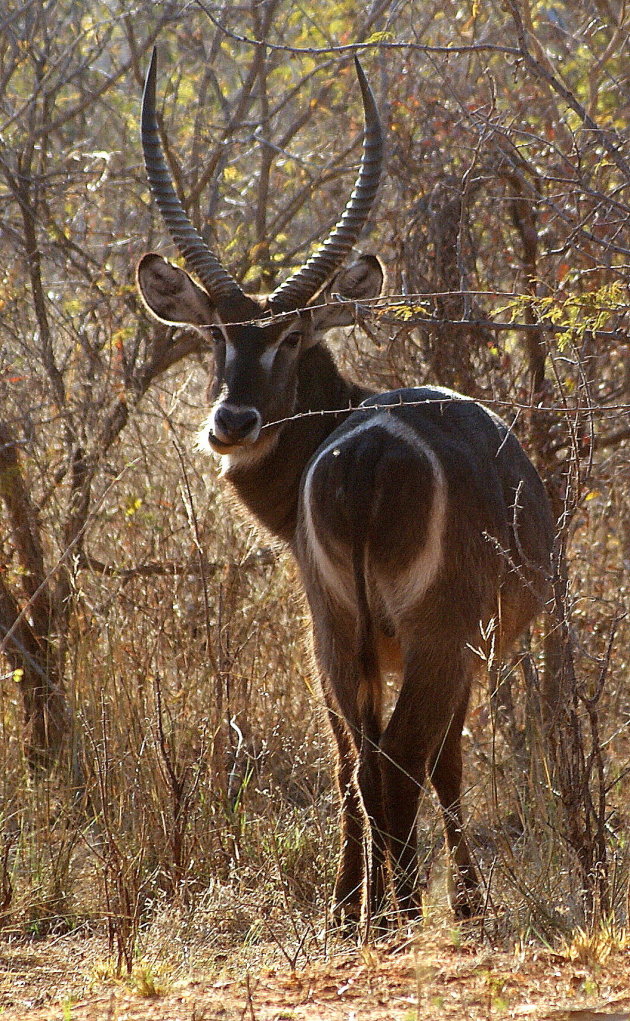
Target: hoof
[[410, 901], [464, 891], [466, 901], [346, 915]]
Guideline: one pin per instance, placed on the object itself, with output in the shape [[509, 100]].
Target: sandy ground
[[399, 981]]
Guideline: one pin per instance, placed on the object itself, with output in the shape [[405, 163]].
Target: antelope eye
[[217, 334], [292, 339]]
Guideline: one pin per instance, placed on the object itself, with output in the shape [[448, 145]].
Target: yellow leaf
[[379, 37]]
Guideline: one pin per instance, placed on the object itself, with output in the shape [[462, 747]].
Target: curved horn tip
[[150, 79], [369, 102], [304, 283], [152, 68], [359, 69]]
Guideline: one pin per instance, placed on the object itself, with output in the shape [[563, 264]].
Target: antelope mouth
[[220, 446], [210, 442], [236, 453], [233, 444]]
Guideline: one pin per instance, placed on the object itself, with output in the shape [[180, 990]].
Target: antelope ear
[[365, 278], [171, 295]]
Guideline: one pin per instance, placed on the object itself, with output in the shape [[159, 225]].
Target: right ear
[[360, 281], [171, 295]]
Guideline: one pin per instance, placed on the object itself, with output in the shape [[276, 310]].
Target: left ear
[[364, 279], [171, 295]]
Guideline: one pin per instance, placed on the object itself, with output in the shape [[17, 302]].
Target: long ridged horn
[[303, 284], [231, 302]]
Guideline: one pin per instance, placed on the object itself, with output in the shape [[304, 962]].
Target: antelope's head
[[258, 341]]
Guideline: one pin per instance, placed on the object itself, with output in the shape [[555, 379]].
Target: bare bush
[[152, 644]]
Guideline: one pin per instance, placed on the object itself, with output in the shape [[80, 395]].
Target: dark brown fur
[[412, 481], [420, 528]]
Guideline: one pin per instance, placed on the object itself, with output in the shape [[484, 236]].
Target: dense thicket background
[[160, 742]]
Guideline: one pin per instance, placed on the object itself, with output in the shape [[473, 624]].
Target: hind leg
[[348, 894], [363, 822], [446, 777], [403, 777], [404, 752], [369, 776], [424, 730], [355, 724]]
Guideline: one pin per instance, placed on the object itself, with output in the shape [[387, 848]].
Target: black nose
[[234, 425]]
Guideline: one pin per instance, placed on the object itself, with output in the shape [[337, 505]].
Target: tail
[[369, 692]]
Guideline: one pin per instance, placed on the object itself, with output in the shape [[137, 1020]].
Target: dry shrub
[[196, 786]]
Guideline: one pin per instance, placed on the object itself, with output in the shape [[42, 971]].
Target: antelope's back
[[433, 499]]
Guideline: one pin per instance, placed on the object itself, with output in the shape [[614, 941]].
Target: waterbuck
[[418, 523]]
